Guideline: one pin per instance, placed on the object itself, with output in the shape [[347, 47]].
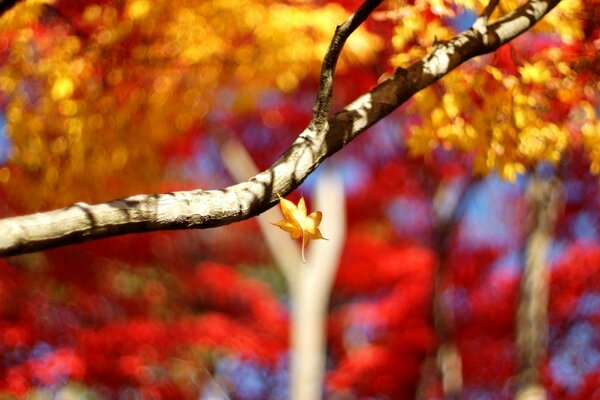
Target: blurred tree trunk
[[310, 290], [309, 283], [444, 364], [543, 196]]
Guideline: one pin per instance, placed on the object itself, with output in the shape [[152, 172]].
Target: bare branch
[[209, 208], [342, 32], [489, 9]]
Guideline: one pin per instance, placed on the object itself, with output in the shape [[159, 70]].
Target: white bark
[[310, 291]]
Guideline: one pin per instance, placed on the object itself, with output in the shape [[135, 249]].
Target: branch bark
[[200, 209]]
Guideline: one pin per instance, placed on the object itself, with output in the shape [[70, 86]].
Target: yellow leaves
[[4, 174], [298, 224], [91, 13], [591, 139], [22, 14], [202, 35], [138, 9], [495, 73], [510, 170], [450, 105], [439, 7], [537, 73], [564, 21], [542, 143], [414, 35], [511, 130], [421, 142], [312, 29], [62, 88]]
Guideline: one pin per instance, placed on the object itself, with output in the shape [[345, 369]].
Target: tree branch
[[342, 32], [489, 9], [240, 166], [209, 208]]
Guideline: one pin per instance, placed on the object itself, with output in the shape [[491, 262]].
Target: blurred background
[[463, 259]]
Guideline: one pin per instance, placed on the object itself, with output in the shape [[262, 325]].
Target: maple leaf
[[298, 223]]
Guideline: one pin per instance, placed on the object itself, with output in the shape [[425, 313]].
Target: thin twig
[[489, 9], [342, 32]]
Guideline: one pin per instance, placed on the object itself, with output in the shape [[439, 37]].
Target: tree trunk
[[444, 363], [310, 291], [543, 196], [309, 283]]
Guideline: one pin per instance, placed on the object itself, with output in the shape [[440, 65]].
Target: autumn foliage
[[104, 99]]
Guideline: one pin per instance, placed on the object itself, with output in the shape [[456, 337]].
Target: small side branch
[[489, 9], [342, 32]]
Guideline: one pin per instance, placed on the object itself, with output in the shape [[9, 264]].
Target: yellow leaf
[[535, 73], [298, 224], [138, 9], [62, 88]]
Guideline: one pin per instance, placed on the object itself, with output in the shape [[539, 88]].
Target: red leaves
[[50, 368], [381, 339], [487, 360], [58, 366], [377, 369], [575, 274], [218, 287], [217, 331], [370, 264], [15, 335], [109, 351]]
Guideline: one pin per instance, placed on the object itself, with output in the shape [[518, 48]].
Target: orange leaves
[[298, 223], [139, 68]]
